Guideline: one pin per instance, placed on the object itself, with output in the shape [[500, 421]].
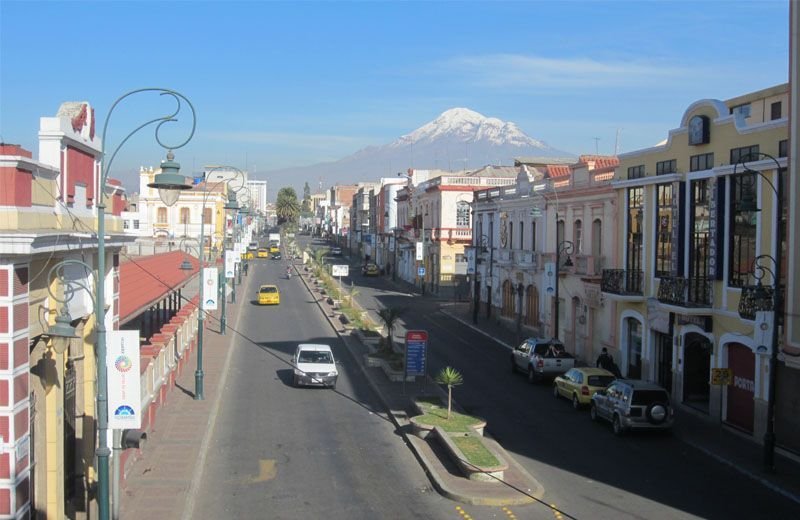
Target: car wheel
[[576, 403], [555, 391], [617, 426], [531, 375], [593, 412]]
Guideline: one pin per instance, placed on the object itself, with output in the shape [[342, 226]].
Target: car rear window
[[600, 380], [647, 397], [269, 290]]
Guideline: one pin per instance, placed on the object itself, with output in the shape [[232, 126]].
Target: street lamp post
[[563, 247], [777, 297], [171, 184], [480, 247], [199, 394]]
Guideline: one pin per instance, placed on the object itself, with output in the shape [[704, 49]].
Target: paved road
[[280, 452], [585, 470]]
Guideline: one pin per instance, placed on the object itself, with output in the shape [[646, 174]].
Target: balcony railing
[[503, 256], [686, 292], [527, 259], [622, 281], [588, 265], [452, 234]]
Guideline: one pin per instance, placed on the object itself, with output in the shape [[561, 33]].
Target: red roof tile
[[558, 170], [146, 280]]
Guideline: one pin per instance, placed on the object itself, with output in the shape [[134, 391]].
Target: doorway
[[696, 371], [664, 360], [741, 406]]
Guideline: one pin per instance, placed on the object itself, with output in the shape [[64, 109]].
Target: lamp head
[[568, 262], [169, 182], [61, 331], [186, 265], [231, 204]]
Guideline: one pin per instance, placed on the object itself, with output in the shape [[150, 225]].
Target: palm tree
[[389, 317], [451, 377], [287, 206]]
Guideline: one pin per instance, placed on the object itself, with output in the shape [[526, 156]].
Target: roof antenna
[[596, 141], [616, 143]]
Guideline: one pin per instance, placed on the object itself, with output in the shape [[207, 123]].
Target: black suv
[[633, 404]]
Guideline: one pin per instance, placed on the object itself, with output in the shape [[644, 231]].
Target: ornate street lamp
[[481, 244], [564, 247], [231, 204], [759, 297]]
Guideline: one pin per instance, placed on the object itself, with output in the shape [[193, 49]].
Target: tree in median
[[287, 206], [389, 317], [451, 377]]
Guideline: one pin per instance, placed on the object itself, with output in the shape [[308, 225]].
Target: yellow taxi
[[269, 295], [579, 384], [274, 248], [263, 253], [247, 255]]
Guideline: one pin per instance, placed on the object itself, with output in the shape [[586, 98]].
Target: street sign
[[340, 270], [210, 289], [721, 376], [535, 212], [421, 271], [416, 352]]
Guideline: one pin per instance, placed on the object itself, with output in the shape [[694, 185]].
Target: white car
[[314, 365]]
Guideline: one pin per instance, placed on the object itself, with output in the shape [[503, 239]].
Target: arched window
[[559, 232], [508, 299], [533, 236], [577, 237], [511, 235], [161, 217], [522, 235], [597, 245], [462, 214], [532, 306], [184, 215]]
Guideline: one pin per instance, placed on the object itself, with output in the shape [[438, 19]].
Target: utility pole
[[596, 148]]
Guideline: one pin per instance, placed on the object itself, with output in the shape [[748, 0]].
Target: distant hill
[[459, 139]]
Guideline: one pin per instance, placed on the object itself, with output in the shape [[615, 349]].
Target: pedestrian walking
[[605, 361]]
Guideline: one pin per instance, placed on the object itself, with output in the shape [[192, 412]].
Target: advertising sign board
[[340, 270], [124, 395], [230, 263], [416, 352], [419, 251], [210, 289]]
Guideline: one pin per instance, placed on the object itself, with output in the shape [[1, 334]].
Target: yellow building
[[689, 236]]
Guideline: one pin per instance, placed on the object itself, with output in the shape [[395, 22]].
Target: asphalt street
[[281, 452], [586, 471]]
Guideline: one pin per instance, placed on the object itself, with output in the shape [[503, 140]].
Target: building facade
[[697, 228]]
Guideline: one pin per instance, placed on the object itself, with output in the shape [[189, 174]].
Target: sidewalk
[[716, 441], [158, 484]]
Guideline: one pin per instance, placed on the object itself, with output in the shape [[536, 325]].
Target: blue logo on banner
[[124, 411]]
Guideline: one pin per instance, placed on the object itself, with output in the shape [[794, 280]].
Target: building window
[[783, 148], [126, 224], [462, 214], [162, 216], [742, 110], [577, 237], [699, 244], [775, 110], [532, 306], [207, 216], [511, 235], [634, 349], [522, 235], [184, 215], [703, 161], [135, 224], [634, 240], [664, 224], [636, 172], [559, 233], [665, 167], [744, 154], [743, 230], [533, 236]]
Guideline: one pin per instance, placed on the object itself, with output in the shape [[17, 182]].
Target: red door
[[741, 391]]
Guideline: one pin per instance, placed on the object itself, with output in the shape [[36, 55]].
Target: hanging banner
[[210, 289], [230, 263], [122, 367]]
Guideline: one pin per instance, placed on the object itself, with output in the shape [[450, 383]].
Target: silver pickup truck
[[541, 358]]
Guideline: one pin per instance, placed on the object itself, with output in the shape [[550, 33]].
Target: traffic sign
[[416, 352], [421, 271], [340, 270]]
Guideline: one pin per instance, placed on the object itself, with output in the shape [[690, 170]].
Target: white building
[[258, 194]]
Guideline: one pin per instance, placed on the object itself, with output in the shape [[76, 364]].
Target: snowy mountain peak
[[465, 125]]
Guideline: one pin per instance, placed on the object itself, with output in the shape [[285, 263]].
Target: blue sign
[[416, 347], [421, 271]]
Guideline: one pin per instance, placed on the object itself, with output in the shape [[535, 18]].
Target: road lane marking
[[463, 513], [509, 513], [267, 470]]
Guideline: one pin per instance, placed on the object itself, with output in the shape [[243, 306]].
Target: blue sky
[[287, 84]]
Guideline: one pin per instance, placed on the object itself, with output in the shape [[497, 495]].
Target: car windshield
[[269, 290], [600, 380], [647, 397], [314, 356]]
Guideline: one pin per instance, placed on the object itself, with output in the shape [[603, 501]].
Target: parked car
[[631, 404], [370, 269], [541, 358], [579, 384], [269, 295], [314, 365]]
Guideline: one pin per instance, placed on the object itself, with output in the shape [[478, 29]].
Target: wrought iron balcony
[[527, 259], [686, 292], [622, 281]]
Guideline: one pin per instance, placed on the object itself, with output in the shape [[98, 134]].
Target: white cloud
[[516, 70]]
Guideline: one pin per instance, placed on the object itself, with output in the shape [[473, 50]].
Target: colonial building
[[697, 232], [553, 215]]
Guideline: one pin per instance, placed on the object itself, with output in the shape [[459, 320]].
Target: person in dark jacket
[[605, 361]]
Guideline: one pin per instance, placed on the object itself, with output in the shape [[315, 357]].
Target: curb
[[525, 496]]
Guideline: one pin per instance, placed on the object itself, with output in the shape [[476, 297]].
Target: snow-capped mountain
[[459, 139]]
